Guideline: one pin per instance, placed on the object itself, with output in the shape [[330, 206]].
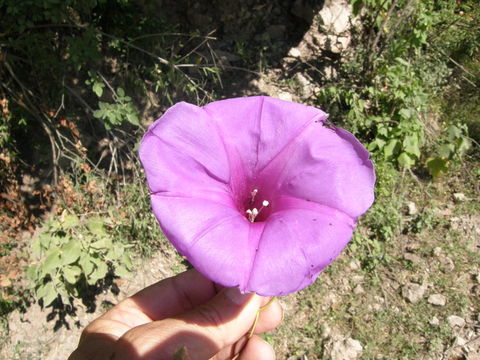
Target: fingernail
[[236, 296]]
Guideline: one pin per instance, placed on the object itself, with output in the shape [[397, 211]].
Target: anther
[[253, 194]]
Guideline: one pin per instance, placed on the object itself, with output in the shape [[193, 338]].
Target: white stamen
[[253, 194], [265, 203], [249, 212], [255, 212]]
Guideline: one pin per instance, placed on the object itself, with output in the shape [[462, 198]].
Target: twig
[[380, 31], [74, 93], [108, 84], [172, 34], [197, 47]]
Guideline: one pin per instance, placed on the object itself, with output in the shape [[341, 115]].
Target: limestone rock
[[347, 349], [335, 16], [437, 300], [413, 292], [455, 321]]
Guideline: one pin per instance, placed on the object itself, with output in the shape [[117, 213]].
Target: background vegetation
[[80, 80]]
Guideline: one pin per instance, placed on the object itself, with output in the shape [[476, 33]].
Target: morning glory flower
[[256, 192]]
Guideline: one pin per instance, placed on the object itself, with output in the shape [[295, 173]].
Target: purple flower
[[256, 192]]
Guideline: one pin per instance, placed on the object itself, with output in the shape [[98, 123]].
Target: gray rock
[[294, 52], [285, 96], [358, 290], [455, 321], [460, 197], [413, 292], [335, 16], [434, 321], [437, 300], [412, 208], [347, 349]]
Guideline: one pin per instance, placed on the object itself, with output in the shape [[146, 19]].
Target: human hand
[[183, 317]]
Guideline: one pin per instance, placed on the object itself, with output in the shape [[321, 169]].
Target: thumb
[[200, 333]]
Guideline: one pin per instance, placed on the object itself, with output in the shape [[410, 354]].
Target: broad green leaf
[[52, 261], [464, 145], [102, 269], [86, 265], [120, 92], [437, 166], [454, 132], [118, 251], [51, 294], [70, 221], [99, 273], [126, 261], [47, 292], [72, 273], [36, 247], [405, 160], [446, 150], [71, 252], [411, 145], [32, 272], [406, 113], [391, 148], [122, 271], [102, 244], [95, 225]]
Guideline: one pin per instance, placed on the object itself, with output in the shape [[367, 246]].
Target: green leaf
[[95, 225], [71, 252], [391, 148], [36, 247], [86, 265], [99, 114], [406, 113], [133, 119], [100, 272], [102, 244], [405, 160], [70, 221], [72, 273], [120, 92], [52, 261], [437, 166], [98, 88], [48, 293], [411, 145], [122, 271], [126, 261], [32, 272]]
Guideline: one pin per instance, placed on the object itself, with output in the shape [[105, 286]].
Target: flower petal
[[183, 152], [330, 167], [213, 236], [257, 128], [295, 246]]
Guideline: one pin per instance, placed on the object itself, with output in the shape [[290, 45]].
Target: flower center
[[252, 211]]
